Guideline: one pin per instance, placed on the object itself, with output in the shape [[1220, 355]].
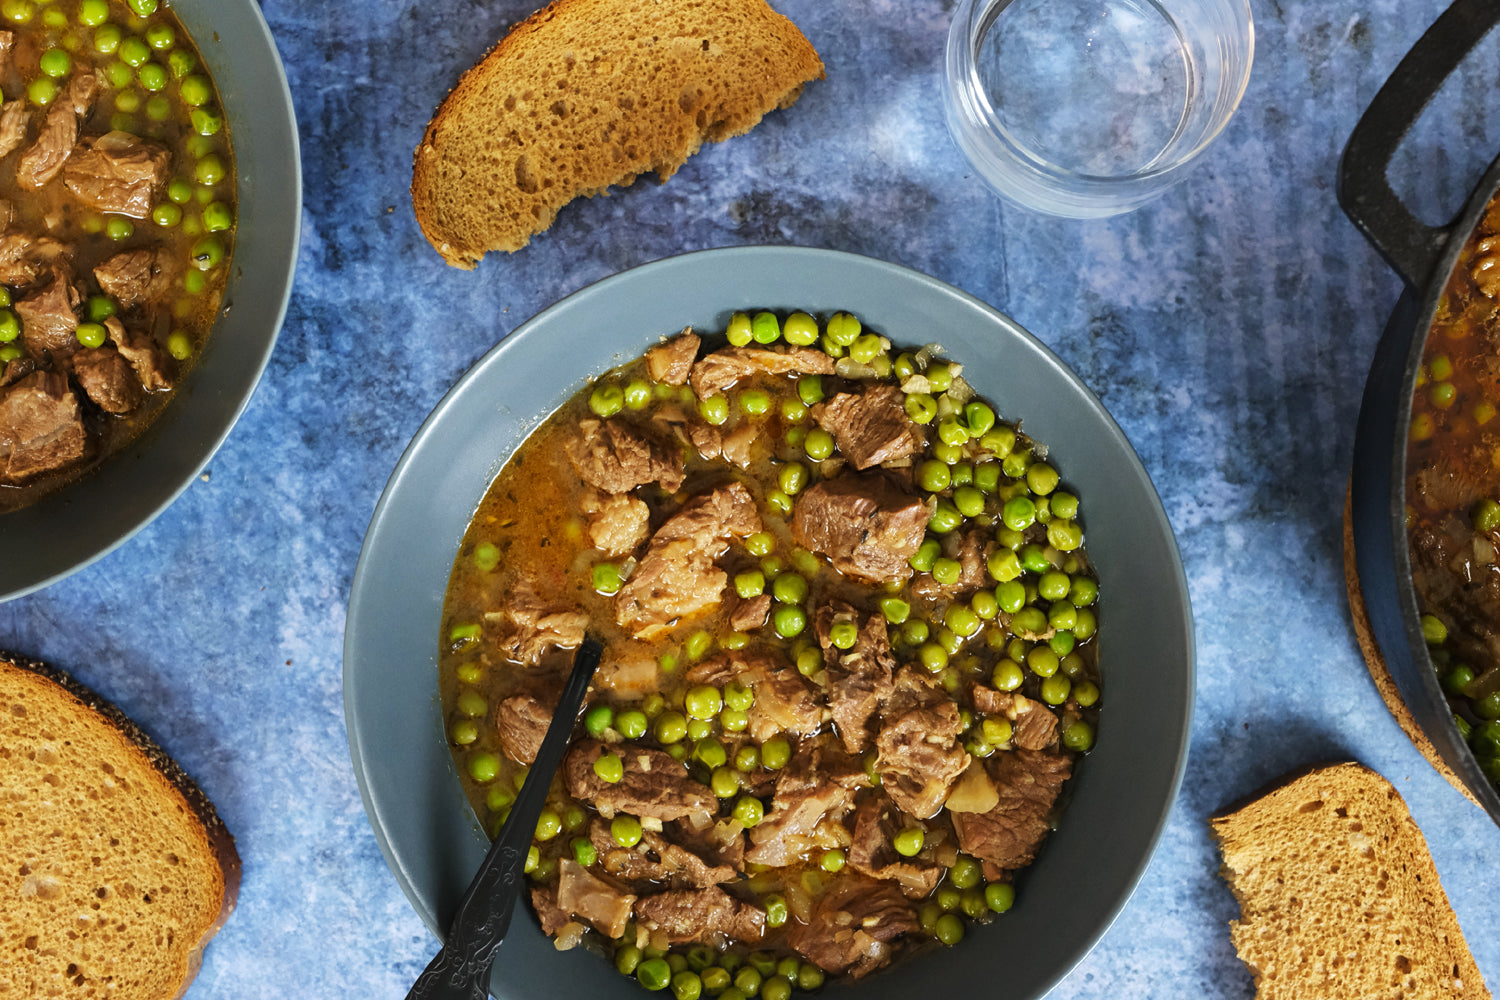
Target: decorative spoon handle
[[461, 970]]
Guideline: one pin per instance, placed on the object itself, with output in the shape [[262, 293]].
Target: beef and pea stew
[[117, 214], [1453, 491], [850, 656]]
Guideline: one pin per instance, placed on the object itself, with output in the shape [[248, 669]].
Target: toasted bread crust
[[77, 716], [587, 94], [1338, 894]]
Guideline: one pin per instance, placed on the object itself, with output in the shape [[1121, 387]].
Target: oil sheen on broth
[[850, 655]]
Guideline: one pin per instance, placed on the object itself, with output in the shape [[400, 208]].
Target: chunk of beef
[[671, 362], [41, 427], [525, 626], [1463, 590], [973, 549], [739, 445], [677, 577], [1034, 726], [864, 523], [107, 379], [629, 673], [722, 843], [859, 678], [521, 721], [618, 523], [920, 759], [852, 928], [16, 369], [7, 44], [655, 862], [750, 614], [871, 427], [1009, 834], [873, 852], [24, 258], [551, 916], [136, 277], [684, 915], [12, 126], [118, 173], [722, 369], [989, 701], [819, 783], [615, 456], [49, 319], [707, 439], [45, 158], [599, 901], [153, 365], [654, 784]]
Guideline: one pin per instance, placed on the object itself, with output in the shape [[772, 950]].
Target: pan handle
[[1364, 192]]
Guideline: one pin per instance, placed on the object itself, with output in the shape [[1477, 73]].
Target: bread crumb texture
[[586, 94], [111, 880], [1338, 894]]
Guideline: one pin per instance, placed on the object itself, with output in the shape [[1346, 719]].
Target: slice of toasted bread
[[586, 94], [1339, 896], [114, 868]]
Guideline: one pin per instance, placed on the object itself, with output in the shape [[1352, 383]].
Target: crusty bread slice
[[586, 94], [1338, 894], [114, 868]]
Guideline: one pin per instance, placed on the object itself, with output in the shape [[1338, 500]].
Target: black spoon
[[461, 969]]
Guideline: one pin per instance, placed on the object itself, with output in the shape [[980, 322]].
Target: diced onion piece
[[974, 792], [960, 391], [851, 369], [568, 935]]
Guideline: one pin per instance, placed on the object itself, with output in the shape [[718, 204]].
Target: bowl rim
[[422, 822], [77, 525]]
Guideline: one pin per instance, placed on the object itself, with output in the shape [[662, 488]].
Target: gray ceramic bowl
[[75, 526], [1121, 793]]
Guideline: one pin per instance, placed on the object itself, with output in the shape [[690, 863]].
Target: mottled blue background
[[1227, 327]]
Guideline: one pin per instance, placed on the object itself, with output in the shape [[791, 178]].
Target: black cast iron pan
[[1423, 256]]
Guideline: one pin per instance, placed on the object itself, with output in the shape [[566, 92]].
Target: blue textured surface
[[1227, 327]]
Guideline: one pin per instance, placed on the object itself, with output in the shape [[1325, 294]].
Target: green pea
[[895, 610], [152, 76], [751, 583], [1019, 513], [134, 52], [1004, 566], [984, 604], [181, 62], [1083, 591], [789, 588], [950, 431], [584, 852], [671, 727], [1062, 641], [9, 353], [932, 656], [715, 980], [979, 418], [632, 724], [934, 476], [207, 253], [1086, 625], [724, 783], [792, 478], [926, 555], [654, 973], [961, 620], [995, 732], [92, 13], [463, 732], [714, 409], [950, 453], [90, 334], [788, 620], [864, 348], [800, 329], [738, 330], [921, 407], [1078, 736], [1054, 585], [914, 631], [142, 8], [206, 121], [765, 328], [810, 389], [809, 977], [484, 767], [107, 39], [209, 170], [843, 635], [1065, 536], [793, 411], [949, 929], [843, 328], [1086, 693], [1055, 689], [609, 768], [908, 842], [747, 981], [1062, 616], [627, 959], [775, 753], [10, 327], [818, 445], [686, 985], [748, 811], [42, 91], [1034, 558], [703, 702], [755, 402], [179, 344], [945, 518], [747, 758], [1064, 505], [999, 896], [1486, 516], [969, 501], [598, 719], [56, 63], [161, 37], [1007, 675], [1488, 707], [710, 752]]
